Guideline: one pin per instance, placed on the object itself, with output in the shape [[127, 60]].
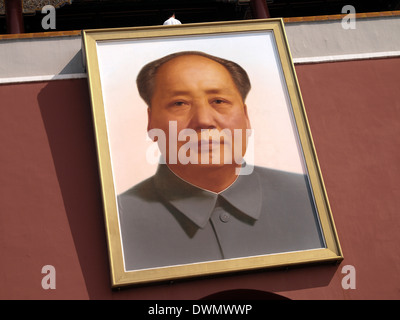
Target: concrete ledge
[[58, 55]]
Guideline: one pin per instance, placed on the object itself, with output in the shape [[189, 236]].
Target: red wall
[[51, 208]]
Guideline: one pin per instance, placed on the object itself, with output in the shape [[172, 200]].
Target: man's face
[[199, 94]]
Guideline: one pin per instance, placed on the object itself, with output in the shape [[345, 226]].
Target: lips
[[210, 143], [202, 145]]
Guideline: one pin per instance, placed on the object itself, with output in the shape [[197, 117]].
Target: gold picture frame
[[110, 50]]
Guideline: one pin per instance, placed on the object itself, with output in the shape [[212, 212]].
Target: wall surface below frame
[[51, 207]]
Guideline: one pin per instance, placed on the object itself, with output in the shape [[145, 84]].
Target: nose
[[202, 116]]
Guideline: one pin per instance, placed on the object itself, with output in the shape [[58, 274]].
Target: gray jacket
[[166, 221]]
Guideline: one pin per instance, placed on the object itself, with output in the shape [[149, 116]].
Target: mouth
[[203, 145], [208, 144]]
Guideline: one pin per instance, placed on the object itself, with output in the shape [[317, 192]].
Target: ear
[[149, 126], [247, 117]]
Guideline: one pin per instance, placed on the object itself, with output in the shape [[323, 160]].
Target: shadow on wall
[[67, 117]]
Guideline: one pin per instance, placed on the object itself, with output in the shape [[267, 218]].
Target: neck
[[211, 178]]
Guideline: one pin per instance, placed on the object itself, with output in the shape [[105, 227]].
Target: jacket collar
[[198, 204]]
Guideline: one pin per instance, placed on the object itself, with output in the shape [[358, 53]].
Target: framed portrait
[[206, 158]]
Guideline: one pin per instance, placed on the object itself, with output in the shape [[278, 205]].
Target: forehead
[[189, 62]]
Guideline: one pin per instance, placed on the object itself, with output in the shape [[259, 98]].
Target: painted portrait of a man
[[206, 159], [204, 202]]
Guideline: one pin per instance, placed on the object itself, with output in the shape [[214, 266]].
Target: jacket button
[[224, 217]]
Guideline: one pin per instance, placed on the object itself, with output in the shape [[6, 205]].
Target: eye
[[218, 101], [178, 103]]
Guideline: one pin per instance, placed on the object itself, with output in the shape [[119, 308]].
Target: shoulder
[[284, 185], [140, 207], [140, 195], [142, 188], [280, 178]]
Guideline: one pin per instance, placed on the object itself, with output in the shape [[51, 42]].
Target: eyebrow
[[209, 91], [177, 92], [216, 91]]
